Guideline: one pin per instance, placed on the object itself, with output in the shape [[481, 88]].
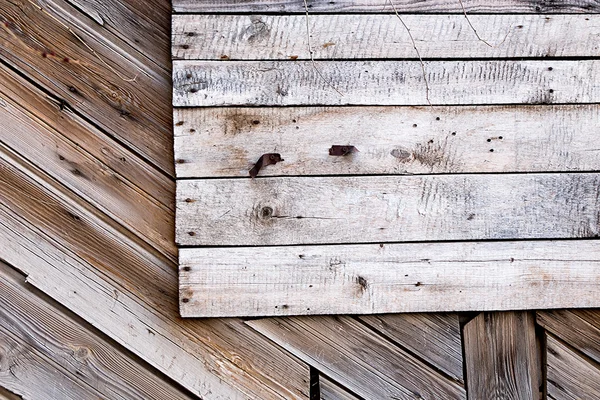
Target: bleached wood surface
[[291, 210], [339, 36], [219, 83], [226, 142], [363, 279], [383, 6]]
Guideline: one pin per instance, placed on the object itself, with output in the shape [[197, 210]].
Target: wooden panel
[[219, 83], [570, 377], [501, 356], [276, 211], [575, 328], [394, 278], [407, 6], [211, 142], [434, 337], [95, 78], [351, 354], [271, 37], [331, 391], [129, 292], [68, 342]]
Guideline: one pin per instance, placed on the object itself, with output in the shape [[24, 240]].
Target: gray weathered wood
[[434, 337], [219, 83], [383, 6], [290, 210], [362, 279], [570, 376], [331, 391], [355, 356], [226, 142], [501, 356], [338, 36]]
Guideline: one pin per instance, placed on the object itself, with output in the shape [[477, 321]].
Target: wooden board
[[286, 83], [501, 356], [339, 347], [570, 376], [363, 36], [331, 391], [363, 279], [226, 142], [277, 211]]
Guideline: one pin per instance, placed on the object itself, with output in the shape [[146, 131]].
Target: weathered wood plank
[[292, 210], [75, 347], [570, 377], [331, 391], [218, 83], [338, 36], [575, 328], [69, 163], [38, 43], [6, 394], [363, 279], [501, 356], [226, 142], [383, 6], [362, 361], [129, 292], [434, 337]]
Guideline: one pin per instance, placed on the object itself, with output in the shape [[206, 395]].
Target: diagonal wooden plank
[[331, 391], [363, 279], [6, 394], [375, 209], [65, 339], [129, 292], [433, 337], [226, 142], [569, 375], [94, 82], [383, 6], [372, 36], [349, 353], [287, 83], [501, 356]]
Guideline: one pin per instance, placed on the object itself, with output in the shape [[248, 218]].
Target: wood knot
[[266, 212]]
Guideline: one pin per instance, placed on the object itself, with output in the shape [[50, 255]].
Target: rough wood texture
[[501, 356], [42, 48], [349, 353], [358, 279], [277, 211], [383, 6], [226, 142], [272, 37], [570, 376], [331, 391], [434, 337], [219, 83], [70, 343]]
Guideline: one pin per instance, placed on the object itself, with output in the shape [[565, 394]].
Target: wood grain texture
[[570, 376], [579, 328], [219, 83], [226, 142], [277, 211], [6, 394], [365, 279], [70, 343], [129, 292], [95, 83], [434, 337], [349, 353], [368, 36], [383, 6], [331, 391], [501, 356]]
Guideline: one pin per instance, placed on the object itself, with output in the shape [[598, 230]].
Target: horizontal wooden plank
[[221, 142], [383, 6], [374, 209], [361, 279], [368, 36], [364, 362], [219, 83], [570, 376]]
